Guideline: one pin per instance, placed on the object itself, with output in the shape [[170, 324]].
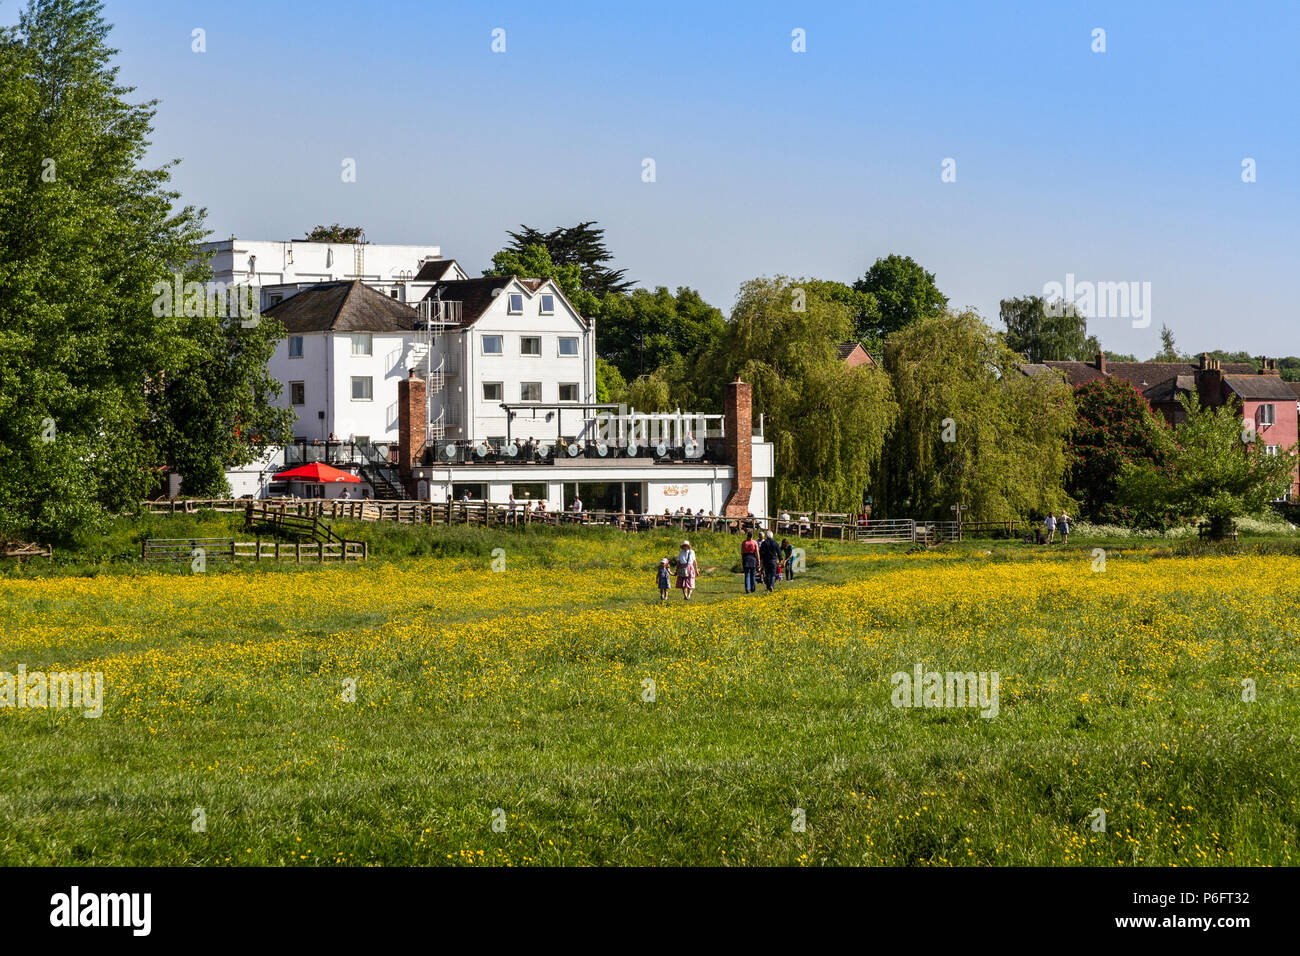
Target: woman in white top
[[687, 569]]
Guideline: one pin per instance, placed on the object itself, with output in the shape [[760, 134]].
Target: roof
[[1159, 377], [434, 269], [1254, 387], [477, 295], [343, 307]]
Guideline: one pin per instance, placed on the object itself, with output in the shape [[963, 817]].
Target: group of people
[[1053, 524], [761, 559], [765, 560]]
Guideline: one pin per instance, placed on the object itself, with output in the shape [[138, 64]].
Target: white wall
[[511, 368], [299, 261]]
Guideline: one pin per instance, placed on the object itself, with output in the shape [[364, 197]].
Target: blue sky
[[1115, 166]]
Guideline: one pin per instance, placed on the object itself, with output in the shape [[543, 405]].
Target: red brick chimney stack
[[739, 423], [1101, 362], [411, 427]]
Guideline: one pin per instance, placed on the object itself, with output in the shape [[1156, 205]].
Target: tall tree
[[85, 231], [826, 421], [99, 387], [643, 330], [583, 246], [1047, 331], [904, 293], [1210, 466], [1114, 426], [862, 306], [1168, 348], [972, 430]]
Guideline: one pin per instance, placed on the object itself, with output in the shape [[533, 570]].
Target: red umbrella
[[315, 472]]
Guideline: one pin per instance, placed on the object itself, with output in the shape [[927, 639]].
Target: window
[[530, 345], [548, 305], [568, 345], [363, 388], [361, 343], [516, 303], [491, 391], [1265, 415], [392, 293], [568, 393], [276, 298], [1271, 450], [491, 345], [297, 393], [530, 391], [295, 346]]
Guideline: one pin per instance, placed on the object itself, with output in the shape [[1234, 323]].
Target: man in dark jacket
[[770, 554]]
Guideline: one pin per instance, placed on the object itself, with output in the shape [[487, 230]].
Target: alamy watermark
[[1099, 300], [178, 298], [923, 688], [62, 689]]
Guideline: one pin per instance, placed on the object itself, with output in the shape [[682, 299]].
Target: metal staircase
[[429, 360]]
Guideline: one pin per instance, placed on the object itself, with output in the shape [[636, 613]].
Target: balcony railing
[[710, 451]]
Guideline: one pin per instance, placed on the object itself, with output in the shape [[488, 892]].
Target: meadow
[[426, 709]]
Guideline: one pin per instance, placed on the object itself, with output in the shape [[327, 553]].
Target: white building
[[483, 387], [281, 268]]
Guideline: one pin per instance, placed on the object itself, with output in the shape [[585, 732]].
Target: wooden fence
[[186, 549], [833, 526]]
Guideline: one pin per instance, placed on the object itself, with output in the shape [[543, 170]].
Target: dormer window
[[516, 303], [548, 305]]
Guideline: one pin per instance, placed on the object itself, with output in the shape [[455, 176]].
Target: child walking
[[665, 585]]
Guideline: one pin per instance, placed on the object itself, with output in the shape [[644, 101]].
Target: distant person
[[577, 505], [787, 555], [1064, 524], [749, 561], [687, 569], [1049, 528], [665, 581], [769, 555], [347, 493]]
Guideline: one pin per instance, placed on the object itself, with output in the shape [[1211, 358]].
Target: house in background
[[853, 354], [1266, 401]]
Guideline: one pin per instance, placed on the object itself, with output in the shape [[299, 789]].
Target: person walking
[[687, 569], [749, 562], [787, 553], [1064, 524], [769, 555], [665, 581], [1049, 526]]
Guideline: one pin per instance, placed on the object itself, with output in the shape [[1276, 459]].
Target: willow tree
[[973, 429], [827, 422]]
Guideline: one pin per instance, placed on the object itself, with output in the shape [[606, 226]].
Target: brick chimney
[[1100, 362], [739, 423], [1268, 366], [411, 426], [1209, 382]]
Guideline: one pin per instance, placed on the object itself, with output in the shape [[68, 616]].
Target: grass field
[[525, 691]]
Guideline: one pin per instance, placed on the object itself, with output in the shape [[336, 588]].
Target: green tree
[[904, 293], [826, 422], [534, 262], [1210, 467], [85, 232], [1114, 426], [862, 307], [972, 429], [1047, 331], [1168, 348], [643, 330], [610, 384], [337, 233], [583, 246], [214, 410]]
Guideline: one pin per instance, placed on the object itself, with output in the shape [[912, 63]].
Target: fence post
[[258, 556], [298, 546], [143, 545], [320, 552]]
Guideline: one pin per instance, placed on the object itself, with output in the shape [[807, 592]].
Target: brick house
[[1265, 400]]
